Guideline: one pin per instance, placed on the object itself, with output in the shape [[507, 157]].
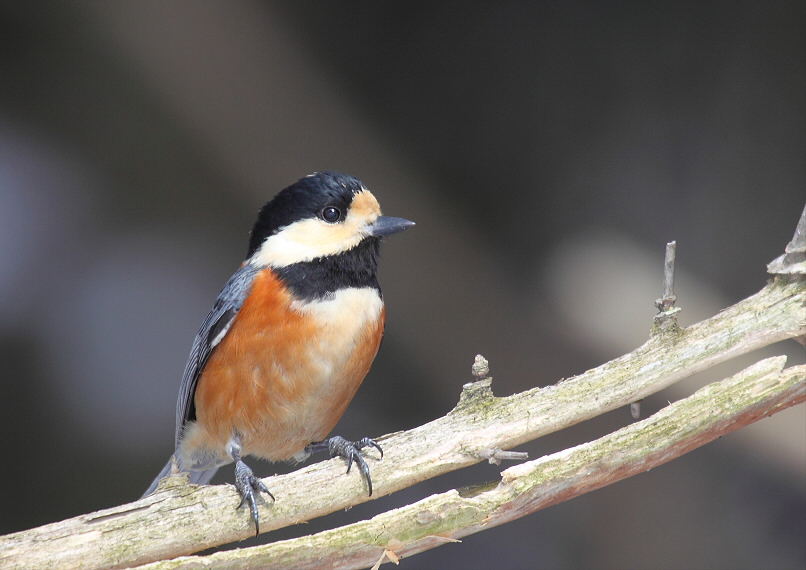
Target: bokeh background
[[547, 152]]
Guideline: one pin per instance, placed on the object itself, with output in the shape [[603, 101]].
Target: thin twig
[[667, 317], [668, 276]]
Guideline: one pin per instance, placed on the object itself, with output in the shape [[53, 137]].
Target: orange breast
[[285, 371]]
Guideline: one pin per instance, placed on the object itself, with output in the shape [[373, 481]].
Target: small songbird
[[289, 339]]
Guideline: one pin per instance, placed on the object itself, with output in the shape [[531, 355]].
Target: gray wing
[[211, 333]]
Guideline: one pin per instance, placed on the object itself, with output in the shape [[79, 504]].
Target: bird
[[289, 339]]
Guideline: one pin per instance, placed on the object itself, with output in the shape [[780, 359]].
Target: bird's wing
[[212, 331]]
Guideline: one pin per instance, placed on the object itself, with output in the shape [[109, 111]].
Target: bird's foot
[[249, 487], [337, 446]]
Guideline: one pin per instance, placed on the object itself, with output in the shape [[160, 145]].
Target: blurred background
[[547, 152]]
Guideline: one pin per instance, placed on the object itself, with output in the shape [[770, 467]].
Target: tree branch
[[718, 409], [181, 519]]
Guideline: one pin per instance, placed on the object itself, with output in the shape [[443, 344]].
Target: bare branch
[[720, 408]]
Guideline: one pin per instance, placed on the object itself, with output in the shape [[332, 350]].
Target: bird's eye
[[331, 214]]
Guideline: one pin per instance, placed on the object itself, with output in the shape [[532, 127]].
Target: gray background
[[547, 151]]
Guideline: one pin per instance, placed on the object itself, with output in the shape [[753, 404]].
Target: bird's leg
[[246, 482], [337, 446]]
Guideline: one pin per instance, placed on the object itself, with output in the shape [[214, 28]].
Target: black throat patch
[[316, 279]]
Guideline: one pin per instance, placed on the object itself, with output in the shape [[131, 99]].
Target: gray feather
[[212, 331]]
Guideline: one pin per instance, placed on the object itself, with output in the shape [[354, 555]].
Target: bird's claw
[[248, 485], [351, 450]]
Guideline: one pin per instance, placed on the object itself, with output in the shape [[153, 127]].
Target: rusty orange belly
[[284, 373]]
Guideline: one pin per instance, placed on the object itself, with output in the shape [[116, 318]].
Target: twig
[[667, 317], [793, 261], [496, 455], [635, 409]]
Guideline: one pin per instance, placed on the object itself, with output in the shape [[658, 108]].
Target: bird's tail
[[196, 477]]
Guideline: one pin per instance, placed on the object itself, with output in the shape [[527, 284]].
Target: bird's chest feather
[[286, 369]]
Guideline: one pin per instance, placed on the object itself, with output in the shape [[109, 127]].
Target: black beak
[[386, 226]]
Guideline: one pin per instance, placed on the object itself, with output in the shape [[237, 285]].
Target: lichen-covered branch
[[757, 392], [181, 519]]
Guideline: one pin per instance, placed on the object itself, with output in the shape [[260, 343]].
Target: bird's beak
[[386, 226]]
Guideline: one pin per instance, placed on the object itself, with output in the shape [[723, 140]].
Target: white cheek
[[308, 239]]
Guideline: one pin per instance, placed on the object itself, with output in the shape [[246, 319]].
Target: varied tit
[[289, 339]]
